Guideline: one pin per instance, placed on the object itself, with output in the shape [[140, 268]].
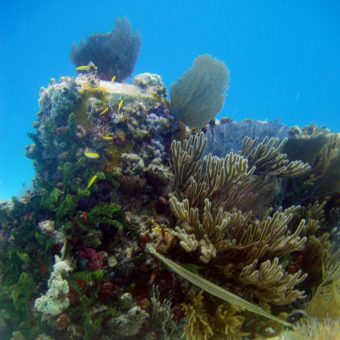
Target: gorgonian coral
[[114, 53], [212, 177], [222, 321], [315, 330], [268, 159], [244, 249], [320, 148], [198, 95], [325, 302], [227, 135]]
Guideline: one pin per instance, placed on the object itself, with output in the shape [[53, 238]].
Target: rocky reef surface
[[139, 226]]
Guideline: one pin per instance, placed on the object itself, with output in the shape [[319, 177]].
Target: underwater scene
[[153, 214]]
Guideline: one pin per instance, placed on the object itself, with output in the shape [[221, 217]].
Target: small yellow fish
[[107, 137], [106, 110], [113, 79], [120, 105], [87, 68], [84, 68], [92, 180], [90, 154]]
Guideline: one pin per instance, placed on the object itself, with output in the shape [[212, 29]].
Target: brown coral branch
[[271, 283], [268, 159], [186, 157], [217, 177], [244, 248]]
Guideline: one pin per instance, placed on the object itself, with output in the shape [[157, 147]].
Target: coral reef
[[151, 220]]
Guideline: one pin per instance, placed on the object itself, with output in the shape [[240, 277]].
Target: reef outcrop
[[245, 214]]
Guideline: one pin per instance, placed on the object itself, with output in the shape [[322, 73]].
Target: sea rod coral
[[244, 249]]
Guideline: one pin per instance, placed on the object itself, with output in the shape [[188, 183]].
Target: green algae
[[20, 280], [106, 214]]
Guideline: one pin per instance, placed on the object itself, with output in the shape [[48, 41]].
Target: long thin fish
[[213, 289]]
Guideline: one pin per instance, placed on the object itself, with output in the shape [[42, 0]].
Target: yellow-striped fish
[[113, 79], [106, 110], [120, 105], [84, 68], [90, 154], [92, 180], [107, 137]]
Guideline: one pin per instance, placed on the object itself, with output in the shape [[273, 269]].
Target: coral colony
[[149, 219]]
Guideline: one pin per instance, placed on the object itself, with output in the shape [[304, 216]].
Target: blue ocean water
[[283, 57]]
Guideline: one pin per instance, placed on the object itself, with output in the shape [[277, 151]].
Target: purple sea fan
[[114, 53], [227, 136]]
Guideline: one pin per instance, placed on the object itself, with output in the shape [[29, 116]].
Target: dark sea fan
[[228, 135], [114, 53]]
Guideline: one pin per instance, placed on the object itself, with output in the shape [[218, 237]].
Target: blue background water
[[284, 57]]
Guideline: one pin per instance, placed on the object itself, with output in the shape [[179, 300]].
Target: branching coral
[[268, 159], [228, 321], [323, 309], [197, 321], [161, 315], [315, 330], [320, 149], [212, 178], [271, 283], [243, 248], [206, 235], [233, 240], [221, 322], [185, 161], [325, 302], [315, 211], [224, 181], [318, 245], [198, 95]]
